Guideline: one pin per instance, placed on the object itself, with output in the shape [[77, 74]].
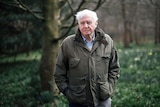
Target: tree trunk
[[49, 52], [127, 25], [157, 26]]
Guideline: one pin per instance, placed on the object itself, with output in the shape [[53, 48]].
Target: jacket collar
[[98, 33]]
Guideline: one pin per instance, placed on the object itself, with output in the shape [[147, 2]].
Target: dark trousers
[[77, 105], [106, 103]]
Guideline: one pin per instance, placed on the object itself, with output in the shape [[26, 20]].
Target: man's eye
[[88, 22], [82, 23]]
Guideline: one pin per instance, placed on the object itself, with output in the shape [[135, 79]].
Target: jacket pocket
[[102, 67], [102, 61], [76, 94], [74, 62], [77, 67], [107, 58], [105, 90]]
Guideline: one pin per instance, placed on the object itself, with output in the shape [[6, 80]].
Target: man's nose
[[85, 24]]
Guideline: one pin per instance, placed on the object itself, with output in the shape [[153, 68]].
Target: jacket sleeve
[[61, 71], [114, 67]]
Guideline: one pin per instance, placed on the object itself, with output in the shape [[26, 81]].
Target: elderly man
[[87, 66]]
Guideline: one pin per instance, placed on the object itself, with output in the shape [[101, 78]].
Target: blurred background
[[31, 32]]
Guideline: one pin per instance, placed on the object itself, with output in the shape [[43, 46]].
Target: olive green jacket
[[87, 76]]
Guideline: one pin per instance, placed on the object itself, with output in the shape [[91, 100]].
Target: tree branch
[[69, 28], [72, 14], [100, 2], [21, 4], [61, 3], [155, 3], [14, 5]]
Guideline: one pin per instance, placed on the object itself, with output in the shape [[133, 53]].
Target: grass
[[16, 89], [138, 85], [33, 55]]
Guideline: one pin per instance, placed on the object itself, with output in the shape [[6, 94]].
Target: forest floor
[[138, 85]]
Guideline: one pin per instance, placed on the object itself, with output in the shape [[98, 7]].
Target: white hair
[[86, 12]]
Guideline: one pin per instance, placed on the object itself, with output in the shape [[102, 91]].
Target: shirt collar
[[85, 40]]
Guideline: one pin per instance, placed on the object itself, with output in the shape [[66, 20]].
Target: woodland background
[[31, 32]]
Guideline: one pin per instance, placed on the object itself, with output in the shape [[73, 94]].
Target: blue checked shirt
[[89, 44]]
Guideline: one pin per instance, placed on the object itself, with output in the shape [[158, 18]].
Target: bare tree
[[127, 24], [51, 30]]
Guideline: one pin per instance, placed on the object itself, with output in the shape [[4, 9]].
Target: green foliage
[[47, 96], [33, 55], [138, 85], [141, 59], [20, 83], [16, 88]]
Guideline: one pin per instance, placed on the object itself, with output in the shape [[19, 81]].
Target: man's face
[[87, 25]]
